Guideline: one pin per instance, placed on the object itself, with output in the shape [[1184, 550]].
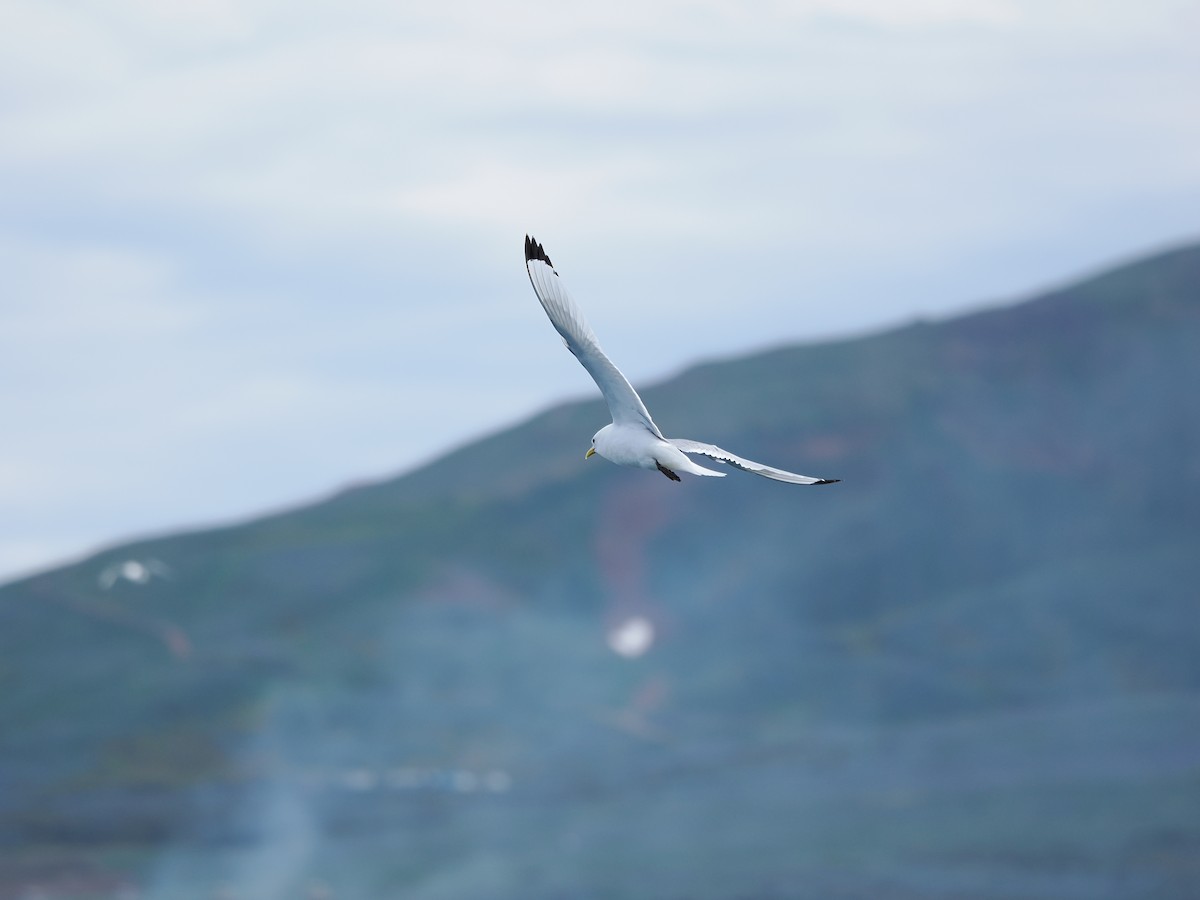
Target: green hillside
[[970, 669]]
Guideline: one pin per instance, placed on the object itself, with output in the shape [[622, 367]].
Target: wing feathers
[[746, 465], [623, 402], [533, 250]]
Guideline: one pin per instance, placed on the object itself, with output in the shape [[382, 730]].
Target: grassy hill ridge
[[973, 660]]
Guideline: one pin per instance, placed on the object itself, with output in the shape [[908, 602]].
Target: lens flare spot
[[632, 638]]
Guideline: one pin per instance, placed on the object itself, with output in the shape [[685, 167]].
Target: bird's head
[[597, 439]]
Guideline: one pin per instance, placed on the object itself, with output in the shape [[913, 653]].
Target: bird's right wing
[[624, 404], [747, 465]]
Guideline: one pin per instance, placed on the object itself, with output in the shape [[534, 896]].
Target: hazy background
[[253, 251]]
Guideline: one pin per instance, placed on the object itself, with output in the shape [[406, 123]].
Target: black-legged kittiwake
[[632, 439]]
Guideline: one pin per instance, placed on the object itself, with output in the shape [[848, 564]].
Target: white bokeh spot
[[632, 638]]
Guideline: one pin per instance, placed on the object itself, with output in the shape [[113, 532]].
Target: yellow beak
[[591, 452]]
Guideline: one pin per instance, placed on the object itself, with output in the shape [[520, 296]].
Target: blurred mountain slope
[[971, 666]]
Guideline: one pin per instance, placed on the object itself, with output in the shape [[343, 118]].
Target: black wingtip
[[533, 250], [828, 481]]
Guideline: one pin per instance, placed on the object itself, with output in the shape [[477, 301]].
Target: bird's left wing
[[623, 402], [747, 465]]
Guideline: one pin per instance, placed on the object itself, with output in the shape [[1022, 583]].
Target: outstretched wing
[[624, 404], [747, 465]]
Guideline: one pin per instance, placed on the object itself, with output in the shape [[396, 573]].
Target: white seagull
[[632, 439]]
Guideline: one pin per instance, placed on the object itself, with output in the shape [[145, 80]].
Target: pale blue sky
[[253, 251]]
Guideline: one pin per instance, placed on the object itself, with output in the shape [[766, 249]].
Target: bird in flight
[[632, 439]]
